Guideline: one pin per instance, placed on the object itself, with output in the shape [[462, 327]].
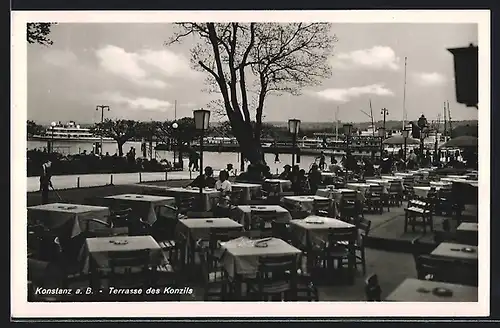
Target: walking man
[[45, 181]]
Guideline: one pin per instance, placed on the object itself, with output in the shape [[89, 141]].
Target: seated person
[[301, 185], [223, 184], [314, 178], [230, 169], [206, 180], [285, 175]]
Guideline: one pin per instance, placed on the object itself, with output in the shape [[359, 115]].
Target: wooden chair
[[395, 191], [418, 213], [262, 220], [374, 198], [130, 269], [435, 268], [121, 217], [215, 280], [276, 279], [271, 193], [340, 248], [323, 208], [373, 291], [183, 206], [305, 290], [349, 207]]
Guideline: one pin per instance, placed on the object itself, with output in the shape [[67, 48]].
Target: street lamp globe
[[53, 124], [293, 126], [175, 125]]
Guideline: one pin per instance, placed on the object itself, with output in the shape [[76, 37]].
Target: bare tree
[[38, 33], [248, 62]]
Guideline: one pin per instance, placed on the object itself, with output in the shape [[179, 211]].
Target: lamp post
[[422, 124], [293, 128], [102, 108], [175, 126], [405, 133], [436, 148], [51, 144], [381, 134], [347, 131], [201, 121]]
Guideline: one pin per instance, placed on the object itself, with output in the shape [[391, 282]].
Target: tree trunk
[[120, 147], [250, 147]]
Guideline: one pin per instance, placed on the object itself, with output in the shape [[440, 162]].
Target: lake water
[[214, 159]]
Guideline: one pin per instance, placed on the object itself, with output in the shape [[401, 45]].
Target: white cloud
[[139, 67], [346, 94], [378, 57], [61, 58], [429, 79], [140, 103], [168, 62]]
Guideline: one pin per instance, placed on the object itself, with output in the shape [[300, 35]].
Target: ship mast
[[337, 124], [404, 98]]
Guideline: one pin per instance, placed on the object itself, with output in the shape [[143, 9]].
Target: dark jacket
[[209, 182]]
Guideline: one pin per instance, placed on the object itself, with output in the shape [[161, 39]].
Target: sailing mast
[[449, 118], [371, 115], [337, 124], [404, 98], [444, 121]]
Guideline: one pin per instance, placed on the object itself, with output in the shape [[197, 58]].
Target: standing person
[[196, 158], [287, 170], [322, 161], [314, 178], [45, 181]]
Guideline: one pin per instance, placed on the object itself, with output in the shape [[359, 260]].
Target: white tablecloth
[[56, 215], [285, 185], [315, 228], [306, 203], [200, 228], [250, 190], [243, 213], [242, 256], [99, 249], [210, 196], [148, 202]]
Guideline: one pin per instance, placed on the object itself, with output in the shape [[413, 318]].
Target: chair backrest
[[185, 204], [373, 291], [132, 259], [277, 264], [222, 235], [342, 235], [395, 186], [376, 189], [107, 232], [364, 226], [262, 219], [236, 197], [440, 268], [95, 224]]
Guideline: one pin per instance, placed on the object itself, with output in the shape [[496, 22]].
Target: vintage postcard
[[314, 163]]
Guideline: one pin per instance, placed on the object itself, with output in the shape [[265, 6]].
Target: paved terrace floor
[[94, 180]]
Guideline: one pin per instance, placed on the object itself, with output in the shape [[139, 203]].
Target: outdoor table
[[414, 290], [403, 174], [241, 257], [441, 184], [382, 182], [243, 213], [455, 251], [327, 175], [363, 188], [336, 194], [424, 174], [315, 228], [423, 191], [451, 176], [200, 228], [146, 205], [285, 185], [306, 203], [249, 190], [97, 251], [392, 177], [210, 196], [468, 226], [473, 183], [72, 216]]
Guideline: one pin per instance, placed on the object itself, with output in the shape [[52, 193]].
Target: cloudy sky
[[127, 67]]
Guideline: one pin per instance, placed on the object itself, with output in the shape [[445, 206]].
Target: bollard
[[111, 182], [140, 177], [166, 175], [78, 182], [190, 175]]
